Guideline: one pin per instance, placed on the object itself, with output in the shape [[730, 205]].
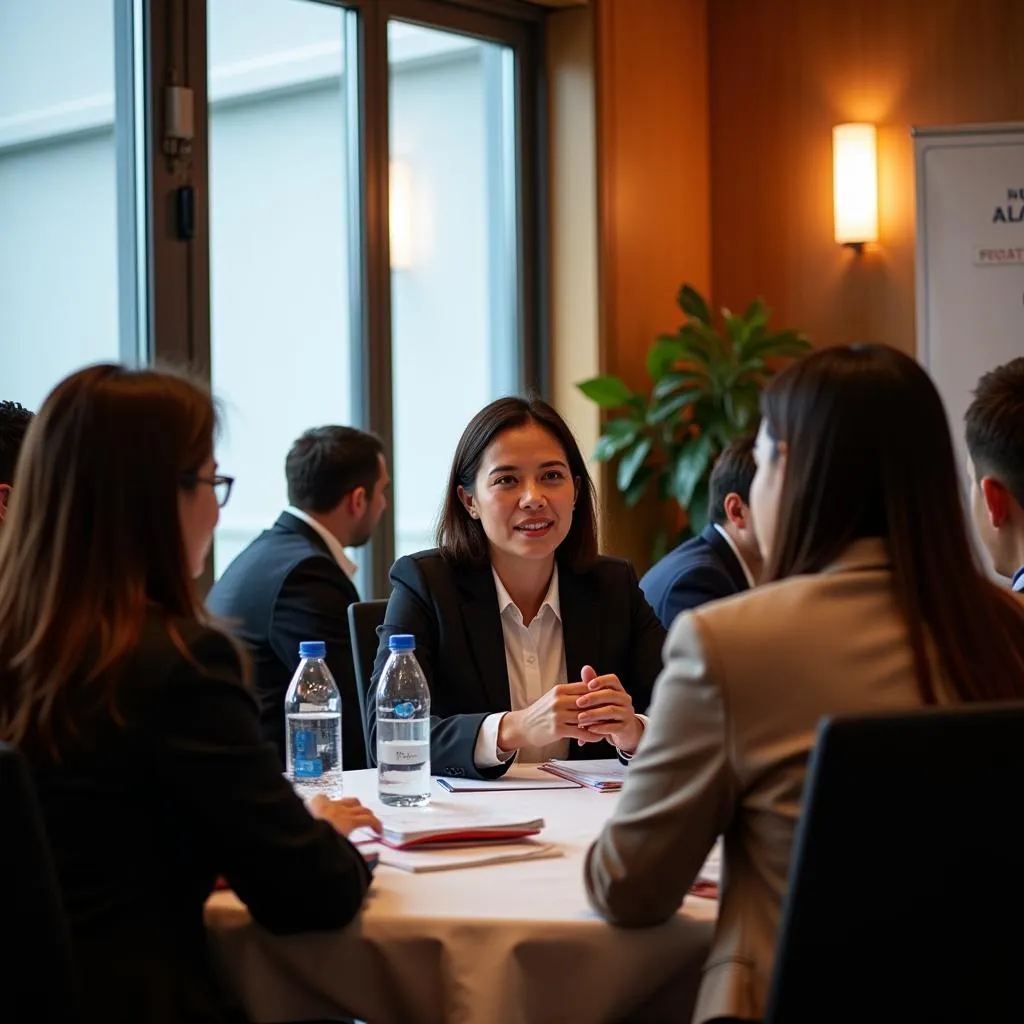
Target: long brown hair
[[460, 538], [93, 539], [869, 454]]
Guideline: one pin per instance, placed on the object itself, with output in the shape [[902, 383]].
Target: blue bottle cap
[[402, 642], [312, 649]]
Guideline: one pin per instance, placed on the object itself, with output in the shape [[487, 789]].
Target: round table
[[512, 943]]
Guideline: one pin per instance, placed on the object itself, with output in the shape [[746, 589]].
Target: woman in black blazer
[[532, 643], [143, 740]]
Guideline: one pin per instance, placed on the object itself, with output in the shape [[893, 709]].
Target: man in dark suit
[[14, 421], [724, 558], [294, 581]]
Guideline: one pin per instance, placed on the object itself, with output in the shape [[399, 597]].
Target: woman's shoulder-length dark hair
[[460, 538], [869, 454], [93, 544]]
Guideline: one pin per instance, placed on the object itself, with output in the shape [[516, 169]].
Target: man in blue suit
[[294, 581], [995, 465], [724, 558]]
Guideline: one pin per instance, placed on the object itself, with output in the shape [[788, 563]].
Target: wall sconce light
[[855, 184], [400, 214]]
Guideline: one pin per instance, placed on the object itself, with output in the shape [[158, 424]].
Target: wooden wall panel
[[782, 73], [653, 197]]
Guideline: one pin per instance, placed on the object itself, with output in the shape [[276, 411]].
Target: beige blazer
[[732, 723]]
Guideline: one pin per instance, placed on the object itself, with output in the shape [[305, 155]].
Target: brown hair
[[869, 454], [461, 538], [92, 538]]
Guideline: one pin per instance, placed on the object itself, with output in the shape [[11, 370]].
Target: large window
[[280, 341], [453, 236], [346, 231], [58, 193]]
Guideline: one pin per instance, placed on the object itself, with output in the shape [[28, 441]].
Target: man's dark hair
[[995, 426], [733, 474], [327, 463], [14, 421]]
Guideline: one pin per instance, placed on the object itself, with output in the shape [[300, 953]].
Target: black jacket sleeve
[[411, 609], [313, 605], [221, 775]]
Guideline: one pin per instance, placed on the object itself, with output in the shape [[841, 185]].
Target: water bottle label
[[306, 768], [307, 764], [406, 710], [394, 752]]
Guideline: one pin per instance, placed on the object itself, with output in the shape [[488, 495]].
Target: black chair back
[[37, 974], [364, 617], [905, 891]]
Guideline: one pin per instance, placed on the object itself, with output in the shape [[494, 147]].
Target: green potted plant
[[705, 389]]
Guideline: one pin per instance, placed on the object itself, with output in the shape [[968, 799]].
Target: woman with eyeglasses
[[873, 602], [131, 708]]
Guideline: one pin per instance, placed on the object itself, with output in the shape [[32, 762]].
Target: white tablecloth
[[500, 944]]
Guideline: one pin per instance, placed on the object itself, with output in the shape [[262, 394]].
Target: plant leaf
[[661, 356], [608, 392], [692, 303], [690, 467], [617, 434], [660, 411], [631, 463], [757, 312], [784, 343], [672, 382], [638, 488]]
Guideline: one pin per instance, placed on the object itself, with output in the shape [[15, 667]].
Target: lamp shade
[[855, 183]]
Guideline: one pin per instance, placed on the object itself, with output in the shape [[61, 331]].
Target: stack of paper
[[420, 859], [605, 775], [402, 831]]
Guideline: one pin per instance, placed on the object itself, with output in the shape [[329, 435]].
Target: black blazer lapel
[[581, 613], [726, 556], [479, 600]]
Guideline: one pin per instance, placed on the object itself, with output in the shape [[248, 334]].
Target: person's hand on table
[[549, 718], [345, 815], [606, 711]]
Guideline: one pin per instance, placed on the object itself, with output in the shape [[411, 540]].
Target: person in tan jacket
[[873, 601]]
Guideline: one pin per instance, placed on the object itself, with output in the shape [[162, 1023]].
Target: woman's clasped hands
[[594, 709]]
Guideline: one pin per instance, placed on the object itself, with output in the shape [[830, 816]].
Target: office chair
[[906, 888], [37, 972], [363, 619]]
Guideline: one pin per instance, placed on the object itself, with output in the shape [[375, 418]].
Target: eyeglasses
[[221, 485]]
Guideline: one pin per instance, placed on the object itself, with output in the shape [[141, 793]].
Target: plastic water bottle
[[403, 727], [312, 710]]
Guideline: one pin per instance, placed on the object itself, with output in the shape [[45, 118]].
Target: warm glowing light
[[855, 183], [400, 211]]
